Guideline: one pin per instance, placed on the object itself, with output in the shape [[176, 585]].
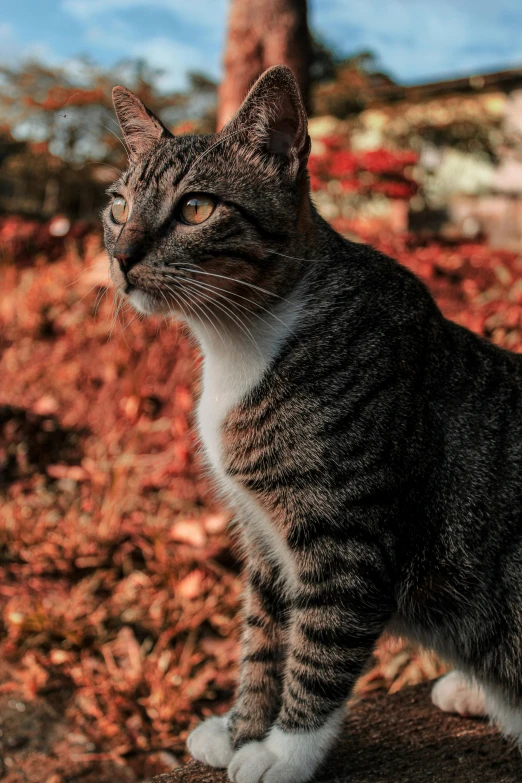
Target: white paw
[[250, 763], [210, 743], [256, 762], [283, 757], [456, 693]]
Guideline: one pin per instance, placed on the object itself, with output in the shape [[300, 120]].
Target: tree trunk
[[262, 33]]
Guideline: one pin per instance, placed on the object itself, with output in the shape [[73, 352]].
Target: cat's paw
[[256, 762], [210, 743], [284, 757], [250, 763], [455, 693]]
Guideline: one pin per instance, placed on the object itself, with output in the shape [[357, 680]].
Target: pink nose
[[126, 259]]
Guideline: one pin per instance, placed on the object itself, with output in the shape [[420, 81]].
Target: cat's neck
[[236, 355], [234, 362], [237, 352]]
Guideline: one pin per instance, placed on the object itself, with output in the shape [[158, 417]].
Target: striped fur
[[371, 448]]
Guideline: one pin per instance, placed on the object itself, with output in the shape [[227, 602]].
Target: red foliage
[[342, 163], [22, 241], [58, 97], [363, 172], [387, 161]]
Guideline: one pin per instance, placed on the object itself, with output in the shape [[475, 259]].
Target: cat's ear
[[273, 118], [140, 127]]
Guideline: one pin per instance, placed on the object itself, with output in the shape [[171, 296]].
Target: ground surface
[[403, 739], [118, 582]]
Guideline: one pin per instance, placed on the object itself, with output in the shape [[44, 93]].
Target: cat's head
[[198, 222]]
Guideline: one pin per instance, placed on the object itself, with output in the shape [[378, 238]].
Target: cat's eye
[[196, 209], [119, 209]]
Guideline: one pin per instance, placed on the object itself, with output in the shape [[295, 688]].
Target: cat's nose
[[126, 259]]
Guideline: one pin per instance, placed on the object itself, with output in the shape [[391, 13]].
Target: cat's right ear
[[140, 127], [273, 118]]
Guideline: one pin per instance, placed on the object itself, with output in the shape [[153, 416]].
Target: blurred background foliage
[[60, 145], [59, 142], [59, 138]]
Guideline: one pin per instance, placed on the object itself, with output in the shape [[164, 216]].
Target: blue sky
[[416, 40]]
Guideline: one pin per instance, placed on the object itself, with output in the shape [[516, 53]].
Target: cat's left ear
[[140, 127], [273, 118]]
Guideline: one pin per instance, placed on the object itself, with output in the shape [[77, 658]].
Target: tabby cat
[[371, 448]]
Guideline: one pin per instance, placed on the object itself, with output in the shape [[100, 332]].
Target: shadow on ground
[[30, 442]]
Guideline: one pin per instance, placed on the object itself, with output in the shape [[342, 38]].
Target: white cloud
[[12, 51], [175, 58], [417, 39], [106, 28], [208, 13], [8, 44]]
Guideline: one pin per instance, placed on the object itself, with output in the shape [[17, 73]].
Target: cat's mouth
[[141, 294]]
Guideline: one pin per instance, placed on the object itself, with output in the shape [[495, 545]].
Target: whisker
[[119, 299], [194, 268], [117, 137], [200, 305], [226, 294], [115, 303], [136, 315], [84, 272], [179, 303], [108, 117], [119, 305], [105, 165], [230, 293], [99, 296], [166, 302], [208, 310], [87, 294], [114, 299], [220, 291], [222, 295], [194, 304], [113, 168], [215, 326], [292, 258], [120, 320], [229, 313], [99, 122]]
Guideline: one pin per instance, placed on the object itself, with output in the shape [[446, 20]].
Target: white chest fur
[[230, 370], [232, 366]]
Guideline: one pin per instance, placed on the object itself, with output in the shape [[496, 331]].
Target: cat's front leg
[[334, 626], [259, 692], [262, 656]]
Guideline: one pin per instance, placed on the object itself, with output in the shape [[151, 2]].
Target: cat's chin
[[142, 302]]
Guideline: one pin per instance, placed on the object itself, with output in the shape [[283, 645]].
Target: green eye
[[119, 209], [196, 209]]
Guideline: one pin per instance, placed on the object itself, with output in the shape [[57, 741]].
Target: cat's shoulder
[[364, 269]]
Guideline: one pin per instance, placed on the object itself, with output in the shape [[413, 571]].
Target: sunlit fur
[[371, 448]]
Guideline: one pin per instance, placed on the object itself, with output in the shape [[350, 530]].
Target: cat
[[371, 448]]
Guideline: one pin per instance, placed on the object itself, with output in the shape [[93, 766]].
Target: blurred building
[[467, 134]]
